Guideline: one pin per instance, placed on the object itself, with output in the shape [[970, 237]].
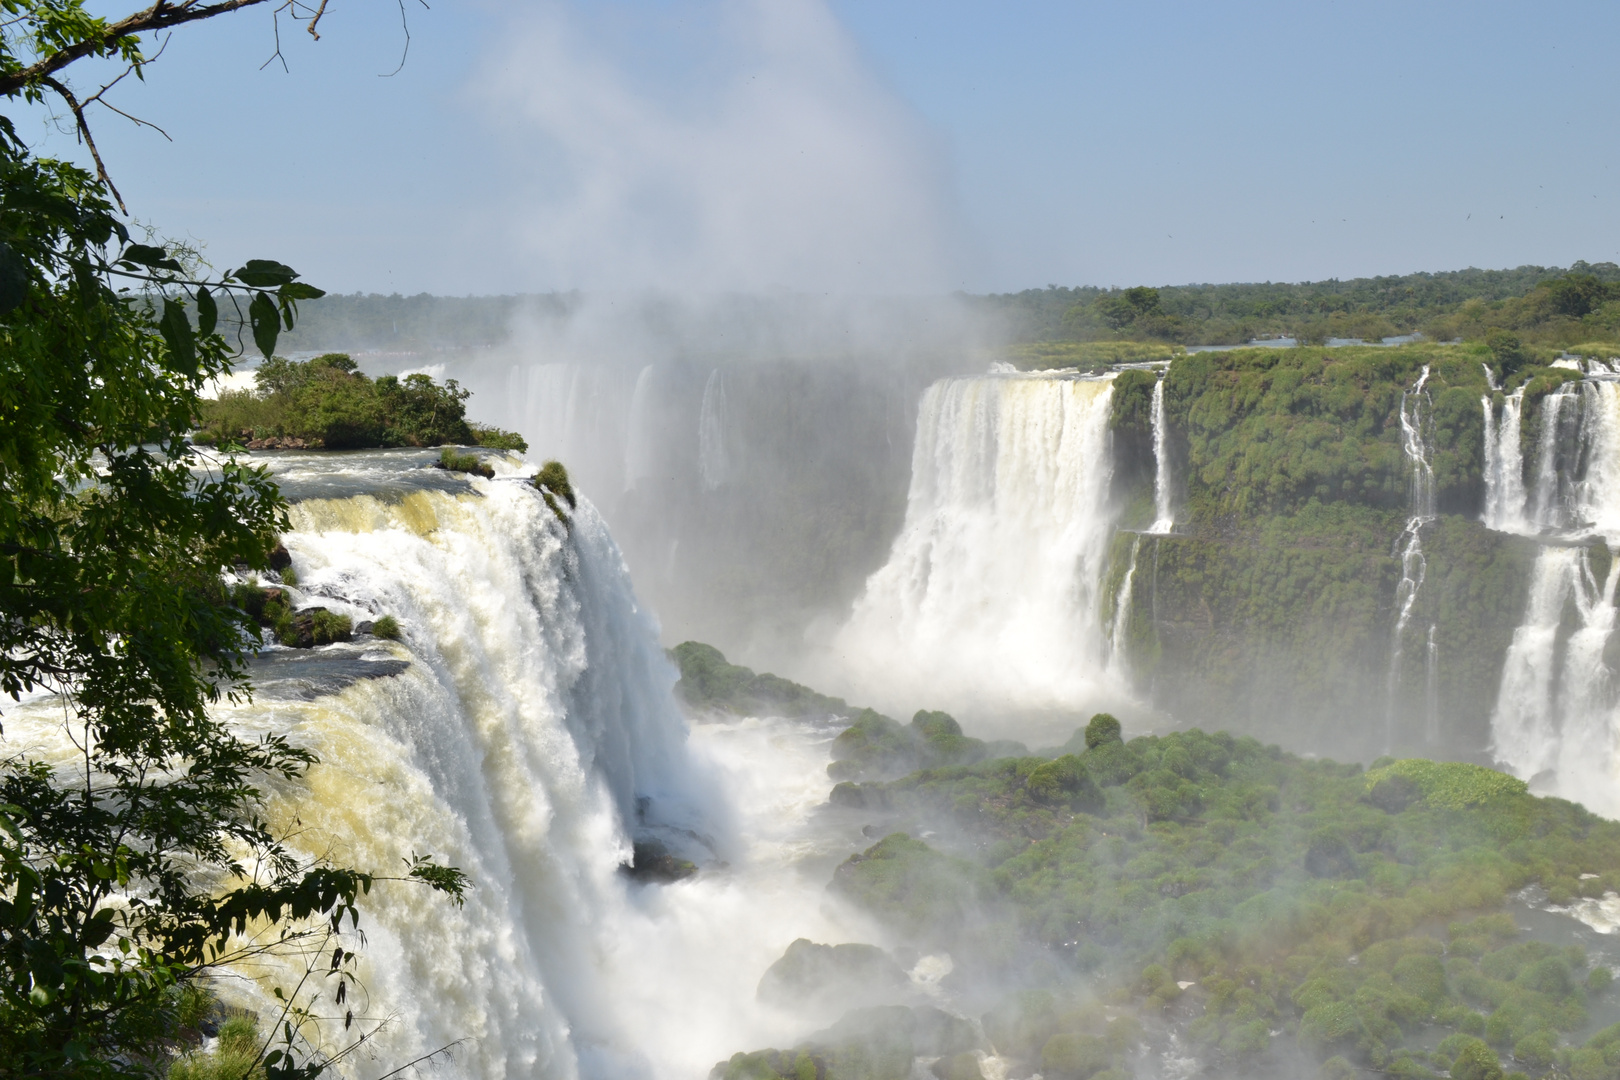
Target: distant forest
[[1541, 306]]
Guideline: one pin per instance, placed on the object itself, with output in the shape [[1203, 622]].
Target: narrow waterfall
[[713, 465], [1118, 643], [640, 451], [1557, 719], [1505, 495], [1163, 520], [991, 591], [1415, 416], [1549, 509]]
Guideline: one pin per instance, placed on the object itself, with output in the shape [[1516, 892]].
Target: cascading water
[[524, 730], [713, 465], [1556, 719], [1118, 642], [1505, 495], [991, 592], [1415, 416], [1163, 519]]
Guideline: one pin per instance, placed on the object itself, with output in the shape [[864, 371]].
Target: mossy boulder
[[709, 681], [812, 975]]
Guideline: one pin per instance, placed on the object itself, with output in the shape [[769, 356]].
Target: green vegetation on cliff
[[328, 403], [1271, 609]]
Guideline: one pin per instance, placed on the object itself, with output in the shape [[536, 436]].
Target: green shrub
[[452, 460], [1074, 1057], [1452, 785], [496, 439], [1101, 730], [553, 477], [1598, 979], [386, 627], [328, 627], [1476, 1061]]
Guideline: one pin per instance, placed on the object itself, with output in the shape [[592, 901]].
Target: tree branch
[[84, 133], [159, 16]]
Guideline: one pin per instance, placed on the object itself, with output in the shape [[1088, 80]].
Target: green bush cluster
[[875, 746], [708, 681], [553, 484], [329, 403], [453, 460], [271, 609]]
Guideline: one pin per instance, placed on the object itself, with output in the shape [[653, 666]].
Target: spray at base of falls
[[1557, 718], [713, 465], [1163, 519], [991, 592], [1415, 415]]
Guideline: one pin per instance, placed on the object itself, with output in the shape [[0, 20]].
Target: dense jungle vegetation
[[328, 403], [1541, 306], [1284, 916]]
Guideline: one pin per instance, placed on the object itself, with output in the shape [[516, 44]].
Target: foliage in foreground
[[328, 403], [1303, 902], [140, 863]]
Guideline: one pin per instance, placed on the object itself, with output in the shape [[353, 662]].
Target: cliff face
[[1273, 606]]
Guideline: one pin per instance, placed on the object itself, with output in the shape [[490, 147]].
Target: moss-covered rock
[[709, 681], [809, 974]]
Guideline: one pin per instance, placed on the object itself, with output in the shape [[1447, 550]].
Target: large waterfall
[[524, 730], [1557, 719], [991, 592]]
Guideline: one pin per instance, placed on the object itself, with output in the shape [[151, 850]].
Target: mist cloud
[[762, 154]]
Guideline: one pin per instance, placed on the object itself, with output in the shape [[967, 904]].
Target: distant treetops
[[329, 404]]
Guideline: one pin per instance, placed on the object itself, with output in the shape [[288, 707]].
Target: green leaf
[[265, 274], [298, 290], [266, 323], [147, 255], [176, 331], [207, 312], [13, 279]]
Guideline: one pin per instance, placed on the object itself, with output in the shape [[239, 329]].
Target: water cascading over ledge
[[531, 736], [991, 595], [1557, 717]]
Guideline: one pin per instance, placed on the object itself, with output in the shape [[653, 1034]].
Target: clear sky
[[859, 145]]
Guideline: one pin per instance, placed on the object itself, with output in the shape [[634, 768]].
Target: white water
[[1415, 448], [1505, 495], [531, 734], [1163, 519], [990, 595], [1118, 641], [1557, 719], [713, 464]]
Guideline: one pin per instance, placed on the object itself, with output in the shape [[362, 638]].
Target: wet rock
[[651, 861], [280, 557]]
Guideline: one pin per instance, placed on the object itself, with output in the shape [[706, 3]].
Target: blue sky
[[881, 144]]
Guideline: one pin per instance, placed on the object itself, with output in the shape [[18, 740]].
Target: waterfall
[[712, 462], [1557, 719], [1546, 510], [1505, 496], [1415, 449], [1117, 641], [640, 454], [1163, 520], [990, 593]]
